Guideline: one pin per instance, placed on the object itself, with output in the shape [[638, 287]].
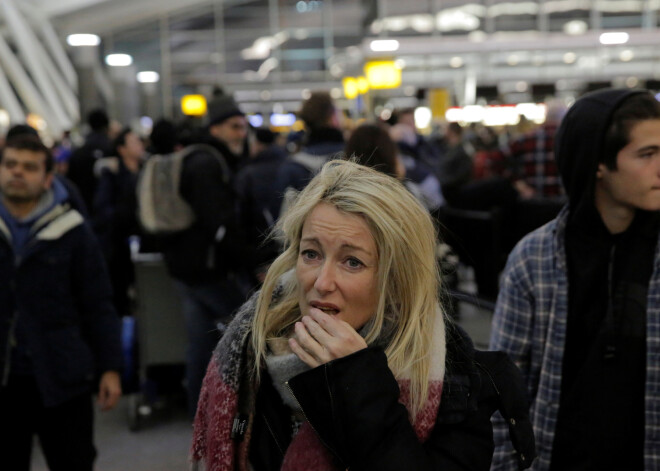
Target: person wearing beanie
[[579, 305], [228, 128], [207, 259]]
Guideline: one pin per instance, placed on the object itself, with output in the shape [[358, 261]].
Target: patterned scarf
[[213, 448]]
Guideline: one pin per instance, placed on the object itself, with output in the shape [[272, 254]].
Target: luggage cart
[[161, 332]]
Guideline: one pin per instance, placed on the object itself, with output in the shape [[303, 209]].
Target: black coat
[[369, 429], [60, 290]]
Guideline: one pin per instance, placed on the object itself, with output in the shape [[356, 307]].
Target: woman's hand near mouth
[[320, 338]]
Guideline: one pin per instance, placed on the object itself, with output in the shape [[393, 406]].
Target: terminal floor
[[162, 444]]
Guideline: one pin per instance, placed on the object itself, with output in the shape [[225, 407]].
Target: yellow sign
[[439, 101], [350, 87], [362, 85], [382, 74], [193, 105]]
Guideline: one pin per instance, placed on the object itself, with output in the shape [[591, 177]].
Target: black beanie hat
[[223, 107]]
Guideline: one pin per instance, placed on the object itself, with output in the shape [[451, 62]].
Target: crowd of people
[[317, 315]]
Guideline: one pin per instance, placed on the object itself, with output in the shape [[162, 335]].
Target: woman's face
[[337, 266]]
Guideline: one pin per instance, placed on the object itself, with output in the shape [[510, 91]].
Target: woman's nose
[[325, 278]]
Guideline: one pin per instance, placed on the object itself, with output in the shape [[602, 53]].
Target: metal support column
[[166, 68]]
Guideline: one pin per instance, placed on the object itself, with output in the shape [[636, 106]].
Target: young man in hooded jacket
[[579, 306]]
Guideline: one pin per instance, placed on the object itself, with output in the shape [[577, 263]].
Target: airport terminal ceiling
[[267, 51]]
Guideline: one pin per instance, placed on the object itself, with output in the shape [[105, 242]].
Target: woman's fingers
[[302, 354]]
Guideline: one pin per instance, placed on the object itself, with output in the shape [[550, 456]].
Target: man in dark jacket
[[58, 329], [97, 145], [204, 258], [579, 306], [323, 140], [256, 193], [115, 213]]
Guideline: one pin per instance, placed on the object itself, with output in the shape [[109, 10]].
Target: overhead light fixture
[[576, 27], [118, 60], [626, 55], [513, 60], [83, 40], [455, 62], [614, 38], [632, 82], [148, 76], [570, 57], [423, 117], [384, 45]]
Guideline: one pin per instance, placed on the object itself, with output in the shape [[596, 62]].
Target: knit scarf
[[213, 448]]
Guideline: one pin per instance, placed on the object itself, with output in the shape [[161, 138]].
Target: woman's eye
[[354, 263], [309, 254]]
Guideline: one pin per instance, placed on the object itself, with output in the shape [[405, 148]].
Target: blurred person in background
[[59, 331], [115, 213], [257, 192], [322, 141], [98, 144], [533, 166], [207, 259]]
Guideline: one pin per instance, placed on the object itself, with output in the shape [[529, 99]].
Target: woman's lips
[[325, 307]]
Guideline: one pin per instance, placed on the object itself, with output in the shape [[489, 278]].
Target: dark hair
[[371, 145], [164, 137], [32, 144], [317, 110], [98, 120], [636, 108], [455, 128], [21, 130], [120, 140]]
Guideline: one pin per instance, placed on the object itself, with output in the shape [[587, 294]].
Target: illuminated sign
[[193, 105]]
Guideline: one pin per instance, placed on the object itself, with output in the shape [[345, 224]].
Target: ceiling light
[[614, 38], [148, 76], [305, 94], [384, 45], [83, 40], [423, 117], [627, 55], [336, 70], [118, 60], [409, 90], [335, 93], [632, 82], [456, 62], [400, 64], [512, 60], [521, 86], [575, 27], [570, 57]]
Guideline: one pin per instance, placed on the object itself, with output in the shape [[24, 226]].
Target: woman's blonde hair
[[408, 275]]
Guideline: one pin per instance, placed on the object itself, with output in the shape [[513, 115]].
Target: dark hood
[[580, 139]]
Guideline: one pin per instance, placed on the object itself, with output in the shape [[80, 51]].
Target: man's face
[[133, 147], [635, 184], [232, 131], [23, 176]]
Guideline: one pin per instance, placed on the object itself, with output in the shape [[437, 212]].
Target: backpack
[[161, 208]]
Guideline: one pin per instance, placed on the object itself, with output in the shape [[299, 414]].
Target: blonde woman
[[344, 359]]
